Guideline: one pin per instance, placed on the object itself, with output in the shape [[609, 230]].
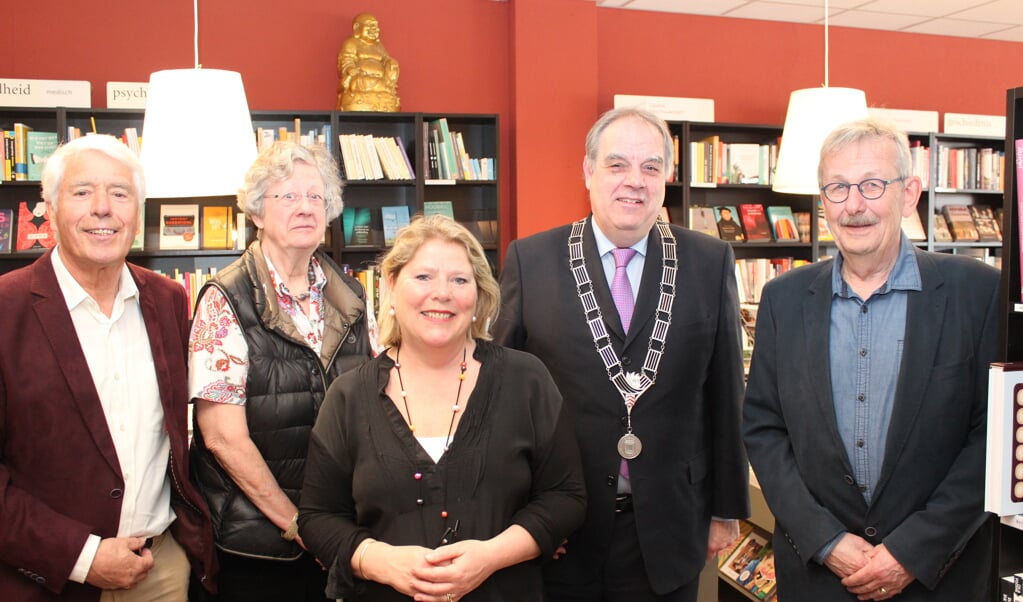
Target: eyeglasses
[[870, 189], [292, 198]]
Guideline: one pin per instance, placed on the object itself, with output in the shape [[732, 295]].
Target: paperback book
[[217, 227], [6, 229], [179, 226], [438, 208], [702, 219], [40, 145], [783, 223], [394, 219], [754, 222], [728, 228], [34, 229]]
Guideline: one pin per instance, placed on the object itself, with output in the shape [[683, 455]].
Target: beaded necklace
[[449, 532], [454, 409]]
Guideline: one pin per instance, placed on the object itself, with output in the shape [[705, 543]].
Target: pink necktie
[[621, 292], [621, 288]]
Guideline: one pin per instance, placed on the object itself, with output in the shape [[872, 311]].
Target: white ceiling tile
[[999, 11], [1013, 34], [955, 27], [927, 8], [777, 11], [990, 19], [871, 20]]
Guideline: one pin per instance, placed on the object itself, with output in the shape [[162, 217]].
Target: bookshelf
[[473, 202], [1009, 538]]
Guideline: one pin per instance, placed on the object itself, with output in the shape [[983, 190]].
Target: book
[[728, 228], [987, 227], [823, 230], [394, 219], [450, 165], [40, 145], [754, 222], [139, 242], [438, 207], [783, 223], [941, 231], [179, 226], [960, 222], [743, 163], [803, 225], [1003, 489], [356, 222], [217, 227], [763, 581], [34, 229], [745, 527], [748, 549], [1018, 144], [913, 227], [20, 165], [702, 219], [6, 229]]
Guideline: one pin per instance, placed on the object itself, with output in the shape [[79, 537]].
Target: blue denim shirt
[[865, 353]]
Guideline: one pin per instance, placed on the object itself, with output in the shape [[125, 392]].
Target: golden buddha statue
[[367, 75]]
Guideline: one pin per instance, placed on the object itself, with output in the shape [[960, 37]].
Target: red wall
[[548, 67]]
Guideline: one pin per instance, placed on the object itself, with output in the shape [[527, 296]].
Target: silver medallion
[[629, 446]]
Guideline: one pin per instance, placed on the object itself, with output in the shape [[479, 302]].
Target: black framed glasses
[[870, 189]]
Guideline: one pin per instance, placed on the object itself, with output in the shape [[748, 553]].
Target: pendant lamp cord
[[826, 42], [195, 32]]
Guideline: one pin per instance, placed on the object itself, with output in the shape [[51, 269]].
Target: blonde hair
[[408, 242]]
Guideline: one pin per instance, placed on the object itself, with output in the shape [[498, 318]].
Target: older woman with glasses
[[271, 332]]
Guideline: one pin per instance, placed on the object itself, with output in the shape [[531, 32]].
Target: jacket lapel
[[924, 310], [816, 323], [55, 322]]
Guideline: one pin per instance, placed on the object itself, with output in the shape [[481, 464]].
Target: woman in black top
[[447, 467]]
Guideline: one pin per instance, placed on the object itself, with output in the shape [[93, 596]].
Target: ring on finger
[[449, 598], [882, 590]]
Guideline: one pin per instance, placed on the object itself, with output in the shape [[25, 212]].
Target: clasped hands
[[431, 575], [867, 571]]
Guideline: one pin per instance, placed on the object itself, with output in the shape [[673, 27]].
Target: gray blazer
[[928, 505]]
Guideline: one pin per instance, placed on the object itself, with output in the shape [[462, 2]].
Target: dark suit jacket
[[60, 479], [928, 502], [692, 465]]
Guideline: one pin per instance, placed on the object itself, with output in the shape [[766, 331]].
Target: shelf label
[[127, 95], [45, 93], [975, 125]]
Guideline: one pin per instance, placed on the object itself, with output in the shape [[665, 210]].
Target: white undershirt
[[434, 446], [120, 361]]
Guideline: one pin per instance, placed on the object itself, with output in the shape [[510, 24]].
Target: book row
[[749, 563], [970, 168], [751, 222], [368, 157], [362, 230], [448, 159], [712, 162], [191, 227], [24, 152], [968, 223]]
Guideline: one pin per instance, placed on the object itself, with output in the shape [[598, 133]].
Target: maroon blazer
[[60, 479]]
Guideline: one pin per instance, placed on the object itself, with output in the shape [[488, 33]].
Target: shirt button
[[863, 309], [861, 397], [859, 443], [863, 352]]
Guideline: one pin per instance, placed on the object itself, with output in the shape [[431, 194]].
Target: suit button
[[626, 361], [611, 480], [849, 480], [40, 579], [870, 531], [351, 339], [116, 493], [624, 420]]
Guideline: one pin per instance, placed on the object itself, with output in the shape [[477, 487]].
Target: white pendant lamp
[[197, 134], [811, 115]]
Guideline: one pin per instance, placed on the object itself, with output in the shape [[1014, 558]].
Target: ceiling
[[984, 19]]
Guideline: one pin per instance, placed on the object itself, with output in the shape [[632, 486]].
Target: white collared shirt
[[120, 361]]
